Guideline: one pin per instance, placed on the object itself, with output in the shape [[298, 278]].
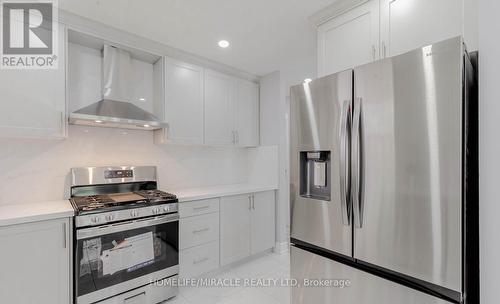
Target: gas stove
[[102, 195], [127, 235]]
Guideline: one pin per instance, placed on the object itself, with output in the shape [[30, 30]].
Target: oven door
[[116, 258]]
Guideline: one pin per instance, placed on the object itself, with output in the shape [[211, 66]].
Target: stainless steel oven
[[126, 236], [115, 258]]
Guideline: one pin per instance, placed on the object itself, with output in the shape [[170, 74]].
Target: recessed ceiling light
[[142, 99], [223, 44], [98, 121], [307, 80], [146, 126]]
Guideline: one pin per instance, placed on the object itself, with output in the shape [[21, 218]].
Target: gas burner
[[92, 206], [119, 201], [154, 196]]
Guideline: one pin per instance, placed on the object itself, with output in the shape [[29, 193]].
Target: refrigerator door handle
[[356, 161], [344, 160]]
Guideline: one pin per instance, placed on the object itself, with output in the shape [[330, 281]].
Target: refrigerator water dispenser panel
[[315, 176]]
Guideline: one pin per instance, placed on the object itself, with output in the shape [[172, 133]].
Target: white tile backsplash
[[38, 170]]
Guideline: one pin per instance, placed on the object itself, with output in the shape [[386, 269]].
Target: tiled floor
[[270, 266]]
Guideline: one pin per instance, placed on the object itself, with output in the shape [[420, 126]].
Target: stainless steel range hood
[[115, 109]]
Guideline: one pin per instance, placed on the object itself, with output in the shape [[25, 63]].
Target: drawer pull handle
[[200, 260], [201, 230], [200, 208]]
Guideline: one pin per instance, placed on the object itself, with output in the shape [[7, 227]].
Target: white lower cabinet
[[198, 237], [198, 260], [234, 228], [262, 222], [199, 207], [220, 231], [35, 263], [247, 225], [198, 230]]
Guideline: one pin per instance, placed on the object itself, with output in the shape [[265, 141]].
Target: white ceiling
[[265, 35]]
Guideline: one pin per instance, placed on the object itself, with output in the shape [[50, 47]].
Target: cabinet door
[[247, 114], [349, 40], [262, 222], [183, 102], [234, 228], [33, 103], [219, 108], [409, 24], [35, 262]]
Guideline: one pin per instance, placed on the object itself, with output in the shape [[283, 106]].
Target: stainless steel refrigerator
[[384, 181]]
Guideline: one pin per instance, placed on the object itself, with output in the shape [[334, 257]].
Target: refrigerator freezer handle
[[344, 160], [356, 161]]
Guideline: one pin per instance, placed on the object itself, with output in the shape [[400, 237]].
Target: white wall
[[489, 162], [273, 132], [470, 24], [274, 125], [275, 107], [38, 170]]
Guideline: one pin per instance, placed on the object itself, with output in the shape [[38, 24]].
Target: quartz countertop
[[43, 211], [192, 194], [34, 212]]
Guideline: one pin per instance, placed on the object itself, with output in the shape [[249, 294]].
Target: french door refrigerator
[[384, 181]]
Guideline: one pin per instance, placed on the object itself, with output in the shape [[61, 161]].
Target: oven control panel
[[118, 174]]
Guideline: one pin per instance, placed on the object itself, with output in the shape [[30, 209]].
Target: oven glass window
[[107, 260]]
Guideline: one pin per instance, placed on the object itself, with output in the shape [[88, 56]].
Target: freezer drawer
[[363, 288]]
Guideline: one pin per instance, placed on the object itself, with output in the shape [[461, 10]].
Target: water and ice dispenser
[[315, 179]]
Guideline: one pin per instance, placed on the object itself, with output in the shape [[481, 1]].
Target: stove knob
[[156, 210], [133, 213], [109, 217], [95, 219], [166, 209]]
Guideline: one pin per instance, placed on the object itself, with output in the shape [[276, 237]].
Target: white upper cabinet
[[349, 40], [220, 92], [205, 107], [33, 103], [409, 24], [183, 102], [361, 34], [247, 114]]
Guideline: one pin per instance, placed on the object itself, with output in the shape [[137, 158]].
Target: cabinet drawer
[[198, 207], [199, 260], [198, 230]]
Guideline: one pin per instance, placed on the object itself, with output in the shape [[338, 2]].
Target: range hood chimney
[[115, 109]]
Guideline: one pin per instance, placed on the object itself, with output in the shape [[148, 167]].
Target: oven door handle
[[129, 225]]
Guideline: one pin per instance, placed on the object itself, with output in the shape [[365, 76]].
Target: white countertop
[[34, 212], [192, 194], [42, 211]]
